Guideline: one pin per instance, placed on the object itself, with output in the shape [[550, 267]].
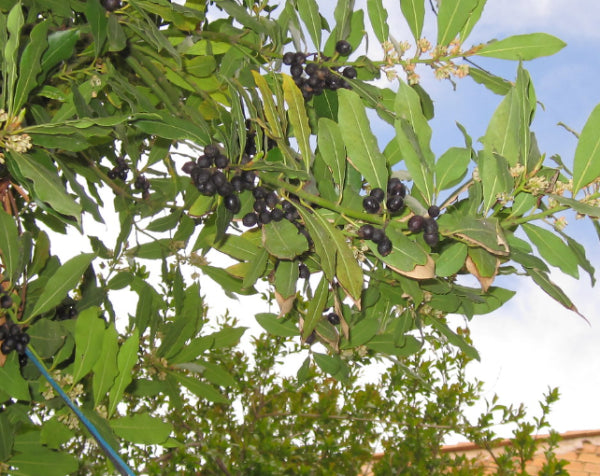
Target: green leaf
[[105, 369], [332, 365], [258, 265], [316, 305], [89, 332], [200, 389], [60, 47], [554, 250], [452, 17], [414, 135], [170, 127], [96, 17], [414, 12], [13, 383], [117, 39], [47, 186], [388, 344], [6, 436], [283, 240], [271, 112], [494, 83], [55, 433], [542, 279], [14, 24], [451, 260], [343, 17], [126, 359], [454, 338], [331, 148], [523, 47], [451, 168], [379, 19], [40, 460], [361, 144], [47, 337], [586, 163], [9, 246], [484, 232], [495, 178], [297, 116], [286, 277], [474, 17], [309, 13], [142, 429], [276, 326], [405, 255], [62, 281], [30, 65], [579, 207]]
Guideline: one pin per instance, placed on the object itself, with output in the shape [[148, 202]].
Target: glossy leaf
[[379, 19], [14, 24], [452, 17], [89, 336], [286, 276], [297, 117], [6, 437], [13, 382], [413, 135], [554, 250], [142, 428], [9, 245], [552, 289], [405, 255], [414, 12], [494, 83], [276, 326], [361, 144], [105, 368], [47, 337], [272, 114], [451, 260], [331, 147], [523, 47], [96, 16], [60, 47], [200, 389], [332, 365], [343, 16], [495, 178], [451, 168], [586, 163], [126, 359], [62, 281], [309, 13], [474, 17], [30, 65], [38, 459], [314, 313], [484, 232], [283, 240], [579, 207]]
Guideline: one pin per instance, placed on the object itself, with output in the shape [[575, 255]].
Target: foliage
[[196, 102]]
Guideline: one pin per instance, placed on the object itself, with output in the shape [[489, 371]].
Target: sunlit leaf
[[142, 428], [452, 17], [523, 47], [586, 164], [414, 12]]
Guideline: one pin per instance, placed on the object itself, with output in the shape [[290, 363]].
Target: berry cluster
[[378, 236], [119, 171], [142, 183], [315, 77], [13, 338], [396, 191], [428, 225]]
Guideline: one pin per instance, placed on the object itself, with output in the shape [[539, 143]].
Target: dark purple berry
[[378, 193], [311, 338], [311, 68], [366, 232], [296, 70], [299, 58], [378, 235], [211, 151], [249, 177], [8, 345], [333, 318], [14, 330], [221, 161], [431, 239], [200, 175], [111, 5], [384, 247], [415, 223], [343, 47], [218, 178], [6, 301], [371, 204], [272, 199], [259, 192], [207, 188], [20, 347], [277, 214], [250, 219], [264, 217], [303, 271], [238, 183], [204, 161], [3, 331], [433, 211], [430, 226], [112, 174], [23, 337], [260, 206], [225, 189], [188, 167], [232, 203], [396, 187], [395, 203], [23, 360], [288, 58], [349, 72]]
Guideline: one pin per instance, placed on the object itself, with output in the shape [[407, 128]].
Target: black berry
[[277, 214], [250, 219], [395, 203], [232, 203], [433, 211], [303, 271], [378, 235], [188, 167], [111, 5], [366, 232], [343, 47], [371, 204], [431, 239], [296, 70], [396, 187], [349, 72], [211, 151], [378, 193], [299, 58], [221, 161], [384, 247], [415, 223], [6, 301], [288, 58], [333, 318], [430, 226]]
